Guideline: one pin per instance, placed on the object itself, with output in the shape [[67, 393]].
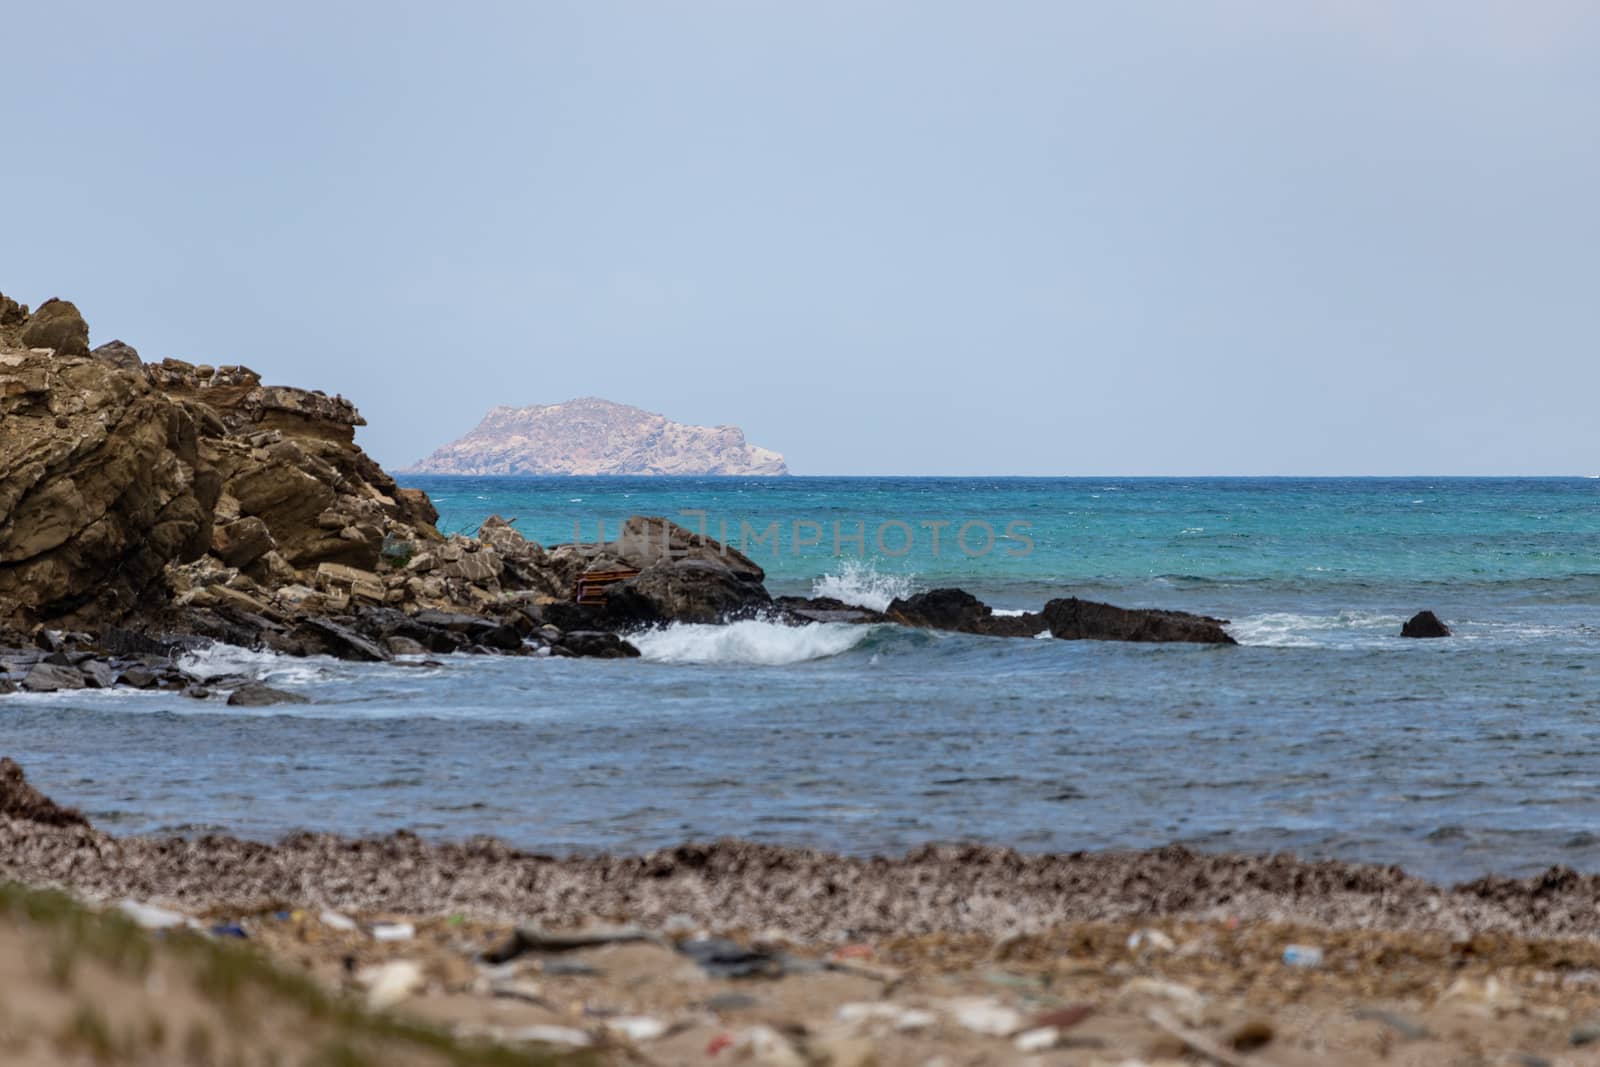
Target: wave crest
[[752, 641], [863, 585]]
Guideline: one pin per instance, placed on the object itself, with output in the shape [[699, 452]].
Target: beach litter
[[393, 931], [152, 917], [1302, 956]]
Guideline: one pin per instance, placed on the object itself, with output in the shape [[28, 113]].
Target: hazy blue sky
[[1248, 237]]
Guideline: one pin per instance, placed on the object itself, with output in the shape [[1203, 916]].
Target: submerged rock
[[256, 695], [959, 610], [1071, 619], [1424, 624]]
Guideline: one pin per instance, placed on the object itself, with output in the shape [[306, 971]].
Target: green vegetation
[[244, 985]]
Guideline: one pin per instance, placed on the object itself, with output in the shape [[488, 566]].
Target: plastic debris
[[1151, 939], [1302, 956], [551, 1035], [393, 931], [904, 1019], [982, 1015], [388, 984], [336, 921], [719, 957], [153, 918], [228, 930], [1045, 1037], [636, 1027], [1409, 1029]]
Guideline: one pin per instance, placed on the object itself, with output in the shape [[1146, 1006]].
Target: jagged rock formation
[[594, 436], [145, 506]]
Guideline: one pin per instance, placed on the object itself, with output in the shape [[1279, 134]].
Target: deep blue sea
[[1324, 734]]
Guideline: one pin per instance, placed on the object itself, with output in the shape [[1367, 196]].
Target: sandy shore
[[953, 954]]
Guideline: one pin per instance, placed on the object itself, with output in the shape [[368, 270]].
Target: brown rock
[[96, 508], [57, 324], [119, 355], [241, 543], [19, 800]]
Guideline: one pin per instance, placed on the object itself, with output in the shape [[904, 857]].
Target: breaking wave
[[863, 585], [752, 641]]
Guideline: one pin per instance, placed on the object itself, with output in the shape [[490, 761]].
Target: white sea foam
[[219, 660], [1010, 611], [751, 641], [861, 584], [1283, 629]]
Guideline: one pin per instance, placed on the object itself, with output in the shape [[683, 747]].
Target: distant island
[[594, 436]]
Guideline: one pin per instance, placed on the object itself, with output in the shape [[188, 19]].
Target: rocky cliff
[[594, 436], [146, 507]]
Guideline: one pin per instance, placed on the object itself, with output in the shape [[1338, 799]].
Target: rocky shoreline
[[146, 508]]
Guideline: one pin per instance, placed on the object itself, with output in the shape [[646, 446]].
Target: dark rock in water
[[595, 643], [696, 590], [341, 641], [1071, 619], [98, 673], [826, 609], [139, 677], [50, 677], [19, 800], [502, 638], [405, 646], [58, 325], [940, 609], [1424, 624], [7, 686], [256, 695], [959, 610]]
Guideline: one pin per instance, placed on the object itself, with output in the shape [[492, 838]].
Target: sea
[[1323, 733]]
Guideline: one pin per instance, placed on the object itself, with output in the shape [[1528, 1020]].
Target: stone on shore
[[20, 800], [45, 677]]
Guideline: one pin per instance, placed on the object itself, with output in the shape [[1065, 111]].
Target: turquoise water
[[1288, 536], [1323, 733]]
